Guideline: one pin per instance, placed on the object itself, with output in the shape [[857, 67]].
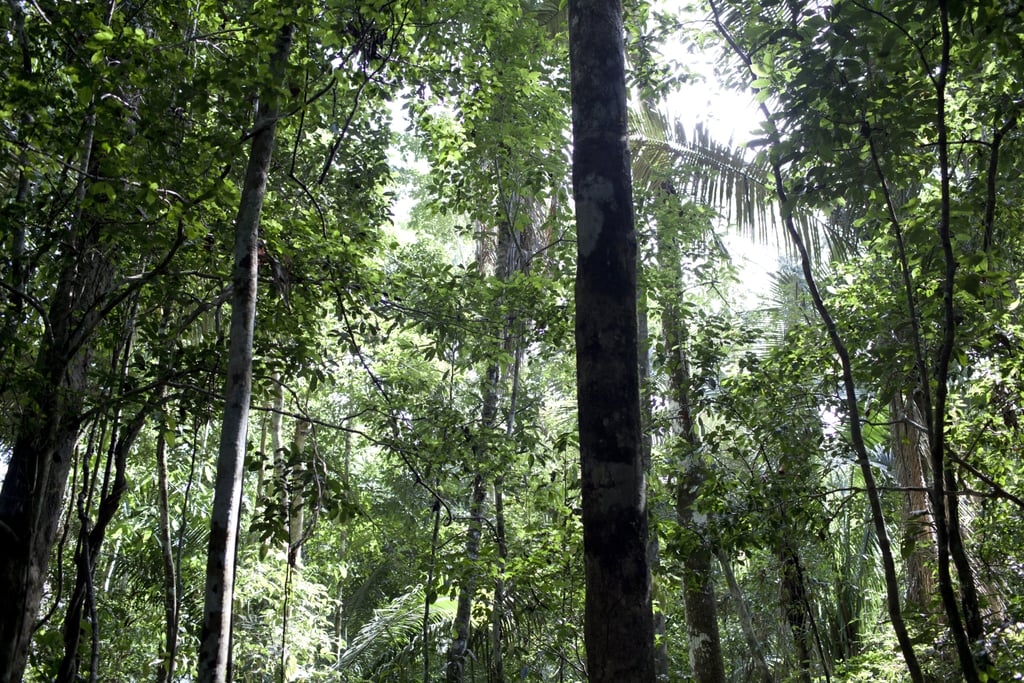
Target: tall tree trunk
[[793, 605], [618, 623], [498, 612], [661, 661], [93, 532], [698, 575], [459, 647], [165, 671], [746, 624], [497, 672], [227, 497], [509, 258], [340, 625], [892, 592]]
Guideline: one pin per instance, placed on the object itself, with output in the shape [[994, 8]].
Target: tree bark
[[618, 625], [661, 661], [911, 457], [793, 601], [698, 576], [457, 651], [498, 610], [295, 497], [215, 639], [165, 672], [746, 623]]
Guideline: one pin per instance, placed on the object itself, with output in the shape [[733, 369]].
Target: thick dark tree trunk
[[33, 491], [618, 627], [215, 639], [794, 601]]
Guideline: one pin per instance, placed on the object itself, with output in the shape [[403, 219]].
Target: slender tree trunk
[[90, 543], [940, 495], [618, 623], [457, 651], [165, 671], [746, 624], [698, 575], [969, 602], [220, 569], [276, 428], [661, 661], [92, 533], [428, 593], [793, 602], [455, 671], [296, 499], [340, 627], [892, 591], [498, 611]]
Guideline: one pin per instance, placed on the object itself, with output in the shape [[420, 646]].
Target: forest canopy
[[391, 340]]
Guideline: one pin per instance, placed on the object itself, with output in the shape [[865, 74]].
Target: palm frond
[[717, 175], [394, 635]]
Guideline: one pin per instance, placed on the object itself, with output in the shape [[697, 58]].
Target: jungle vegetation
[[392, 340]]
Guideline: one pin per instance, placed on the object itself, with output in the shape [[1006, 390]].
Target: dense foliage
[[834, 479]]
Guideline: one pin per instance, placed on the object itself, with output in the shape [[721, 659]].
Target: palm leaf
[[719, 176], [393, 637]]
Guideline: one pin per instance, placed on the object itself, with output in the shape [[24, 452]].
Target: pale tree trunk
[[912, 452], [508, 258], [340, 622], [458, 649], [746, 623], [911, 456], [214, 648], [498, 611], [698, 572], [296, 499], [276, 429], [618, 622], [165, 670]]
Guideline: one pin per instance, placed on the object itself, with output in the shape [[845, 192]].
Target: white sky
[[730, 116]]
